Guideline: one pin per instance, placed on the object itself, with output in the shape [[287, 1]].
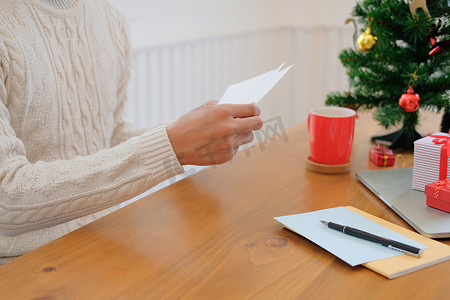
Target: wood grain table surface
[[213, 236]]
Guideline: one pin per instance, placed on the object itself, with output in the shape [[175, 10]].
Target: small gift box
[[431, 160], [382, 156], [438, 194]]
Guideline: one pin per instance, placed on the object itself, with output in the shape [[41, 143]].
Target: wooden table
[[213, 236]]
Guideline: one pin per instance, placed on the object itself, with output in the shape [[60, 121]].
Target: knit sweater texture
[[67, 154]]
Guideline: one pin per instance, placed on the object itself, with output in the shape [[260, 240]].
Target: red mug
[[331, 132]]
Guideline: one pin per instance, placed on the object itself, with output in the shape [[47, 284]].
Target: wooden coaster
[[326, 169]]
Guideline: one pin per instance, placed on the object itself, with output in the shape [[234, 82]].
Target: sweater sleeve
[[43, 194]]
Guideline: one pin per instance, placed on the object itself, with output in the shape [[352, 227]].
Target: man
[[67, 155]]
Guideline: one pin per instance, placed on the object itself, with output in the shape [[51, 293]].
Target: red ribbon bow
[[445, 153], [383, 150], [439, 186]]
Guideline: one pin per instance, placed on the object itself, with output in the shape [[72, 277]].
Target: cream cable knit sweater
[[66, 153]]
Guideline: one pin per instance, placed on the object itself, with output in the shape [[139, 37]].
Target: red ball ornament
[[409, 101]]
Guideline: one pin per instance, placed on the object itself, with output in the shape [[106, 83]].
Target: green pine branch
[[378, 78]]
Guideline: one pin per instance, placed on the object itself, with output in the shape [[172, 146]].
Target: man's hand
[[212, 134]]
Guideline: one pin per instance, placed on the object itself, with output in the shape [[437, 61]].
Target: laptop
[[393, 187]]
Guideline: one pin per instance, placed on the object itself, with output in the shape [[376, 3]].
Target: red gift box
[[438, 194], [382, 156]]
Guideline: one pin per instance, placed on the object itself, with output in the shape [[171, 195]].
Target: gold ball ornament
[[366, 40]]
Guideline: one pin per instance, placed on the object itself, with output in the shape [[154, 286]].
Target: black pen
[[407, 249]]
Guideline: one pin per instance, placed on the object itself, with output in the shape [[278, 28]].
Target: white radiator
[[170, 80]]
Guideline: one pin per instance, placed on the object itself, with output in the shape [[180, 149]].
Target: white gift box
[[427, 159]]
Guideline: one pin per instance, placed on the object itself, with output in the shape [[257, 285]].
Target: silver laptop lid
[[393, 187]]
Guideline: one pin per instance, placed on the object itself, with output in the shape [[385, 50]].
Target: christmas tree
[[401, 65]]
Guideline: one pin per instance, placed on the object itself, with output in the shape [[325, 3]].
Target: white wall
[[156, 22], [315, 13]]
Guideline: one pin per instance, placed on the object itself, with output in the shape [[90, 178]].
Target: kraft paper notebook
[[400, 265], [356, 251]]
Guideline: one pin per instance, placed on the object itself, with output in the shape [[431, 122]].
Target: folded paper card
[[254, 89], [350, 249]]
